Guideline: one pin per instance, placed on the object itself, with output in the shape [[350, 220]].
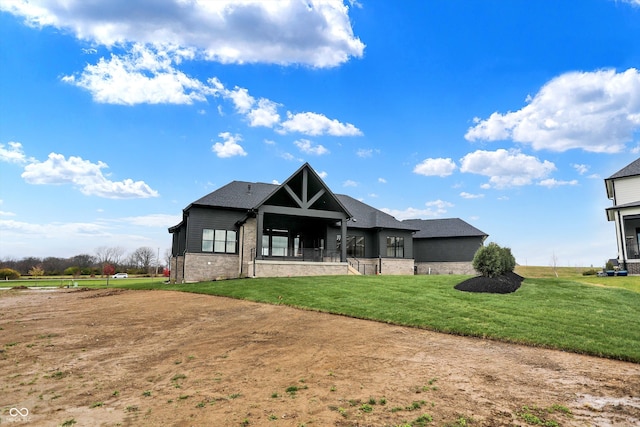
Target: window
[[275, 243], [207, 240], [219, 241], [355, 245], [395, 247]]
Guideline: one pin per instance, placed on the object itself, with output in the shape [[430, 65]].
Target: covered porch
[[627, 221]]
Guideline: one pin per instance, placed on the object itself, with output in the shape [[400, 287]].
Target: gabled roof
[[447, 227], [237, 195], [304, 188], [632, 169], [365, 216]]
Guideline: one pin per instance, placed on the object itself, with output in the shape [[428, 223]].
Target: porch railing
[[307, 254]]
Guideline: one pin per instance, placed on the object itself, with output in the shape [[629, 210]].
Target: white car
[[120, 276]]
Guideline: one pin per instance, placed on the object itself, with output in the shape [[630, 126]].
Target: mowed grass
[[547, 312]]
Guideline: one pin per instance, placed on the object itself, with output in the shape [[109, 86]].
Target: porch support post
[[259, 228], [623, 241], [343, 246]]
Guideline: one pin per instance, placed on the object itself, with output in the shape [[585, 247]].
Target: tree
[[9, 274], [109, 255], [108, 270], [84, 261], [72, 271], [143, 258], [493, 260], [36, 271]]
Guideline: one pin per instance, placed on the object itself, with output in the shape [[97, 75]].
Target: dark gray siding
[[408, 242], [375, 242], [208, 218], [370, 240], [179, 241], [451, 249]]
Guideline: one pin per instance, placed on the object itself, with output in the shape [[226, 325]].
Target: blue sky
[[115, 115]]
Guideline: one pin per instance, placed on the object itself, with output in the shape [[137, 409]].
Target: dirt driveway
[[151, 358]]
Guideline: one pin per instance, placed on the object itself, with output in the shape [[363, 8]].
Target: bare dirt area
[[151, 358]]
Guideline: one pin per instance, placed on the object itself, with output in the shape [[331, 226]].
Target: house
[[445, 246], [623, 188], [301, 228]]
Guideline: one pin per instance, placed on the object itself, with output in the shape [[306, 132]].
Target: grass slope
[[548, 312]]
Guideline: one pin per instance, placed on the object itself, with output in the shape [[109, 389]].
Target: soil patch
[[148, 358]]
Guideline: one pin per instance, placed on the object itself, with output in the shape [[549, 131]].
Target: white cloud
[[266, 114], [581, 169], [153, 220], [594, 111], [552, 182], [435, 167], [349, 183], [149, 75], [505, 168], [307, 147], [435, 208], [230, 146], [441, 205], [466, 195], [52, 230], [291, 157], [636, 149], [13, 153], [366, 152], [241, 99], [144, 75], [317, 124], [382, 180], [84, 175], [314, 33], [323, 174]]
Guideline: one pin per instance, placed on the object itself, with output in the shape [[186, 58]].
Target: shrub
[[590, 272], [9, 274], [493, 260], [72, 271]]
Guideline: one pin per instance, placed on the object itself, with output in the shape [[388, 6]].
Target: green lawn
[[557, 313]]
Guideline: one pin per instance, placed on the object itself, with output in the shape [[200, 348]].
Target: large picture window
[[395, 247], [219, 241], [275, 243], [355, 246]]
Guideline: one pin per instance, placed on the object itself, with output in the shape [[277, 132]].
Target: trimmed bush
[[9, 274], [493, 260]]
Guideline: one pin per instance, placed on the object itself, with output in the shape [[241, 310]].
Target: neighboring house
[[623, 188], [296, 229], [445, 246]]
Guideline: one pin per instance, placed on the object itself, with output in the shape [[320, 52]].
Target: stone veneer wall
[[203, 267], [175, 269], [299, 268], [633, 267], [445, 267], [390, 266], [248, 247], [394, 266]]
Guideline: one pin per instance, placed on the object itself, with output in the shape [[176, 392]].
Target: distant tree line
[[143, 260]]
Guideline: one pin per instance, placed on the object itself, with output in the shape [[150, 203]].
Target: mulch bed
[[504, 284]]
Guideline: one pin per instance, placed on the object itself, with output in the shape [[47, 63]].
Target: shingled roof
[[237, 195], [446, 227], [365, 216], [245, 195], [631, 169]]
